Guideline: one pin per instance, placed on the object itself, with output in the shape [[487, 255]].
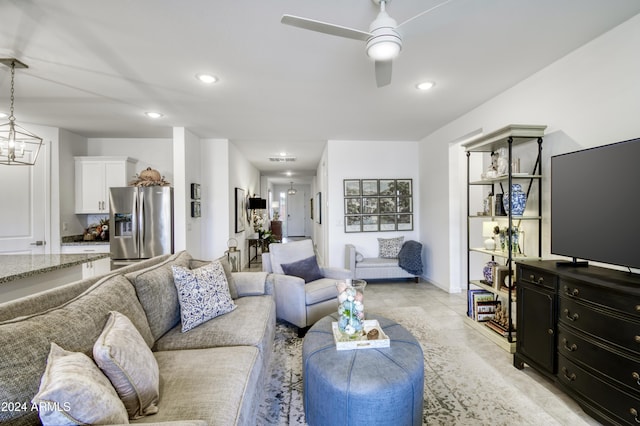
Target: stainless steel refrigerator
[[141, 220]]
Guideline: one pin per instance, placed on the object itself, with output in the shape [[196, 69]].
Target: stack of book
[[499, 328], [481, 305]]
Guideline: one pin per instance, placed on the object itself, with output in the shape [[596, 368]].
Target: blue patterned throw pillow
[[203, 294]]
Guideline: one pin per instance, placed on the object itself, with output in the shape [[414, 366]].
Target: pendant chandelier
[[17, 145], [292, 190]]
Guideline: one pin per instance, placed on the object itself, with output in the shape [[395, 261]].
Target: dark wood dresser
[[581, 327]]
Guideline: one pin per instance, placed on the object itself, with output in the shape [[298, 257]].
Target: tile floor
[[449, 311]]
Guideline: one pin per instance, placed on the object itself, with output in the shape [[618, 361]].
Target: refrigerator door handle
[[134, 221], [141, 221]]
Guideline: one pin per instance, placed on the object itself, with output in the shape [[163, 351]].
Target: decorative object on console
[[234, 255], [275, 206], [17, 145], [518, 200], [489, 270], [489, 232]]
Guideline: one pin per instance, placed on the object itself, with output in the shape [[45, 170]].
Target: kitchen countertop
[[78, 240], [16, 266]]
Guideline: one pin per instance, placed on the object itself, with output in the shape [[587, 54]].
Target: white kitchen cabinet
[[94, 177]]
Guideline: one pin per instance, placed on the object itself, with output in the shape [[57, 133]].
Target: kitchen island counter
[[17, 266]]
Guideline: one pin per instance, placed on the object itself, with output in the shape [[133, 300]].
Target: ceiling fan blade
[[325, 27], [383, 73], [424, 13]]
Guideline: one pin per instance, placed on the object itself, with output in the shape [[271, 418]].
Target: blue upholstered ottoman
[[382, 386]]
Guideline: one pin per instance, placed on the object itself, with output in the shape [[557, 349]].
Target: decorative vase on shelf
[[518, 200], [488, 270], [351, 307]]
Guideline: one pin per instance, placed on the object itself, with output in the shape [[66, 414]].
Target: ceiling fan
[[383, 40]]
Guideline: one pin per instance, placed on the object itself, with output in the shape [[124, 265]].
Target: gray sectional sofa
[[213, 374]]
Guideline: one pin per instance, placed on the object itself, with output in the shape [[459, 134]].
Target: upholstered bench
[[372, 268], [381, 386]]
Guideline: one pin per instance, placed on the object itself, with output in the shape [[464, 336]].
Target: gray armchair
[[297, 302]]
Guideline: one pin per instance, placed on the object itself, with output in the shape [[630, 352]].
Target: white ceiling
[[96, 66]]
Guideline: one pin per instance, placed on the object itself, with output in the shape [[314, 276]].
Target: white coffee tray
[[344, 343]]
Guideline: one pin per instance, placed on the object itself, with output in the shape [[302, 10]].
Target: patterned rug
[[460, 387]]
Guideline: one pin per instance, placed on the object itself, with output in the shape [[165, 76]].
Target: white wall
[[590, 97], [217, 195], [70, 145], [364, 160], [241, 175]]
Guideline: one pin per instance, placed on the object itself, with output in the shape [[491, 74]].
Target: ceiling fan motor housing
[[385, 43]]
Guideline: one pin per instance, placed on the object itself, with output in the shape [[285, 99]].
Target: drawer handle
[[571, 293], [636, 377], [571, 348], [634, 413], [637, 339], [570, 377], [638, 308], [575, 317]]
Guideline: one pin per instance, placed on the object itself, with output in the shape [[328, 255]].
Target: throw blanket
[[410, 257]]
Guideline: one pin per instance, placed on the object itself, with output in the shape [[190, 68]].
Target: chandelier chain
[[13, 72]]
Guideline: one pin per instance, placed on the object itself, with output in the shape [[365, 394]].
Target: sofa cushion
[[389, 248], [289, 252], [377, 262], [157, 293], [74, 391], [307, 269], [123, 356], [217, 385], [25, 342], [256, 314], [203, 294]]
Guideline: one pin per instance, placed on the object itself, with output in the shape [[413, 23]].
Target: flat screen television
[[595, 204]]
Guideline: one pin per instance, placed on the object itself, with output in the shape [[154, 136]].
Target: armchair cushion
[[288, 253], [307, 269]]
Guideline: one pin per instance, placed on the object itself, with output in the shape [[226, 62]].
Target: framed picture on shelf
[[353, 224], [240, 210], [352, 187]]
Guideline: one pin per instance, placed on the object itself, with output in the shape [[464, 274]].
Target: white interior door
[[296, 214], [23, 207]]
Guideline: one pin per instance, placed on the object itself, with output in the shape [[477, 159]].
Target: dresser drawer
[[624, 303], [613, 402], [536, 277], [612, 328], [624, 369]]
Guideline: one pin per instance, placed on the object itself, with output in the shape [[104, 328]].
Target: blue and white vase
[[518, 200]]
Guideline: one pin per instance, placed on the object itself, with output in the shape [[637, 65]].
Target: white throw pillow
[[124, 357], [203, 294], [74, 391], [388, 248]]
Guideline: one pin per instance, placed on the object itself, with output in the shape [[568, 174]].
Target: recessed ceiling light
[[288, 173], [283, 154], [207, 78], [425, 85], [152, 114]]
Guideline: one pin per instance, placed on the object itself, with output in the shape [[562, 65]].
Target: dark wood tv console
[[580, 326]]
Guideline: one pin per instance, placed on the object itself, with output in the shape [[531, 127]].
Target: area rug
[[461, 388]]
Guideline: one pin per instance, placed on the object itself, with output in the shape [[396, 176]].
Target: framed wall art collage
[[372, 205]]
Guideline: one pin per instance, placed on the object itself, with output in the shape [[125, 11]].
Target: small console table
[[258, 244], [580, 326]]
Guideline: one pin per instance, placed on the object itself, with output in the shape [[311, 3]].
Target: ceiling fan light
[[384, 47]]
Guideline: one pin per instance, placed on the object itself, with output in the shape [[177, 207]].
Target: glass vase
[[351, 307]]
